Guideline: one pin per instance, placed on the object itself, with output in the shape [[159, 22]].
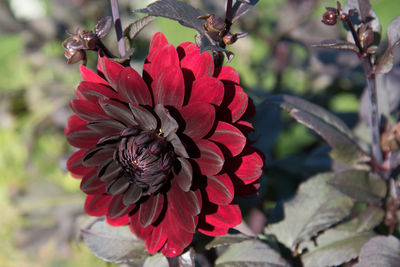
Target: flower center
[[146, 158]]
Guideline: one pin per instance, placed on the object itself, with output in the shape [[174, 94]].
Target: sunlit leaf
[[113, 244], [380, 251], [251, 253], [315, 207], [137, 26], [343, 243], [157, 259], [333, 130], [360, 185], [227, 239]]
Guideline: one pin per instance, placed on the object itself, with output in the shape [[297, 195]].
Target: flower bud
[[330, 16]]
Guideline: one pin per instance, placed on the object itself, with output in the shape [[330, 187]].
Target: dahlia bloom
[[166, 152]]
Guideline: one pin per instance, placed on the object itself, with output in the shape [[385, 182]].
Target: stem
[[228, 16], [355, 36], [118, 27], [374, 115]]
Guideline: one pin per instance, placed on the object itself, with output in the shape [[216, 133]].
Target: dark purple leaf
[[176, 10], [337, 44], [241, 7], [380, 251], [360, 185], [113, 244], [365, 15], [137, 26], [333, 130], [393, 35], [103, 27]]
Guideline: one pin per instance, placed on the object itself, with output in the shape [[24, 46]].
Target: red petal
[[91, 184], [83, 138], [208, 90], [156, 240], [245, 190], [90, 76], [150, 210], [184, 176], [169, 87], [87, 110], [176, 234], [110, 69], [211, 159], [96, 205], [245, 127], [200, 65], [137, 229], [118, 111], [239, 103], [199, 119], [75, 166], [74, 123], [93, 92], [230, 137], [97, 156], [124, 220], [227, 73], [187, 48], [227, 215], [106, 127], [144, 118], [133, 88], [116, 207], [220, 189], [212, 230], [157, 42], [171, 249], [161, 59], [247, 166]]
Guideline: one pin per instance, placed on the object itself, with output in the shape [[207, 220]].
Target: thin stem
[[228, 16], [118, 27], [355, 36]]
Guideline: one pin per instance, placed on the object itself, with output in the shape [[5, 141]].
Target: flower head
[[167, 152]]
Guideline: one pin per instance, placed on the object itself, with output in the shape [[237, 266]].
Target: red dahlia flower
[[167, 152]]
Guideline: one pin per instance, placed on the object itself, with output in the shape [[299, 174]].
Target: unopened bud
[[366, 35], [330, 16]]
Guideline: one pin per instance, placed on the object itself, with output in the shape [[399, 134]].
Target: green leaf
[[360, 185], [113, 244], [133, 29], [227, 239], [343, 243], [157, 259], [333, 130], [380, 251], [315, 207], [250, 253]]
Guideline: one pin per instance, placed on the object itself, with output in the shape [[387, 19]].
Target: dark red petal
[[247, 166], [75, 166], [91, 184], [168, 123], [97, 156], [74, 123], [171, 249], [90, 76], [116, 207], [227, 73], [106, 127], [82, 138], [184, 176], [109, 171], [157, 42], [156, 240], [245, 190], [124, 220], [187, 48], [162, 58], [239, 103], [96, 205], [169, 87], [93, 92], [230, 137], [110, 69], [201, 65], [132, 195], [212, 230], [245, 127], [211, 159], [208, 90], [118, 111], [220, 189], [133, 88], [137, 229], [150, 210], [119, 186], [227, 215], [87, 110], [199, 119], [173, 229], [179, 148], [144, 118]]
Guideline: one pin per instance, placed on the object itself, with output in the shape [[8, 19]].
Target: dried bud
[[229, 38], [390, 140], [366, 35], [90, 39], [213, 23], [330, 16]]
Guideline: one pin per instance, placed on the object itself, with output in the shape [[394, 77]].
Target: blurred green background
[[41, 203]]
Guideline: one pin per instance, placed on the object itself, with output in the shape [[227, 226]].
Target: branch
[[118, 27]]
